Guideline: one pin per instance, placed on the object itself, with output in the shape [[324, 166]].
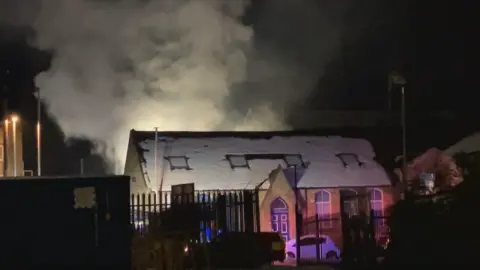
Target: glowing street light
[[39, 132], [5, 148], [15, 120]]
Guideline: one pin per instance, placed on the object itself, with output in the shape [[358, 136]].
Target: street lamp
[[395, 78], [14, 119], [155, 157], [295, 162], [39, 132], [5, 148]]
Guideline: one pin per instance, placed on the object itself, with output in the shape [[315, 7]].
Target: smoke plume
[[172, 64]]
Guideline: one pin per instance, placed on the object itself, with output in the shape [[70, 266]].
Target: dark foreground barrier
[[79, 222]]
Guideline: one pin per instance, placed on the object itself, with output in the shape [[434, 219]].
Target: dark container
[[41, 226]]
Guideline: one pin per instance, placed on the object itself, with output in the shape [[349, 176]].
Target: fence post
[[248, 210], [137, 206], [132, 210], [144, 202], [347, 259], [257, 210], [149, 211], [221, 212], [234, 212], [372, 240], [317, 247]]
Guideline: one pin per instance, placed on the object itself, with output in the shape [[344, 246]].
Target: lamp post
[[5, 148], [297, 215], [15, 119], [395, 79], [39, 132], [155, 157]]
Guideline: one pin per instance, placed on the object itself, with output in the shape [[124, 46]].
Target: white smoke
[[176, 65], [144, 64]]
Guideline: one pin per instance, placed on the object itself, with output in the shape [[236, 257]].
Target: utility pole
[[15, 120], [395, 79], [39, 134], [155, 155], [297, 218], [5, 137]]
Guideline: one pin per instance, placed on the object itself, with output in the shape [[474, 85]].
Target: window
[[376, 204], [280, 223], [237, 161], [292, 160], [307, 241], [349, 159], [310, 241], [283, 224], [275, 223], [178, 162], [323, 205]]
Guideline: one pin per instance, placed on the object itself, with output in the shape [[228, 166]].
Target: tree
[[440, 228]]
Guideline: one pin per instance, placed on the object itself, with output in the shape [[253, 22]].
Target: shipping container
[[80, 222]]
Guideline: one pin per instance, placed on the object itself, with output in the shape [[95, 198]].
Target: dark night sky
[[430, 42]]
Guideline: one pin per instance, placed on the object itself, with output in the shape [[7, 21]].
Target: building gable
[[139, 183]]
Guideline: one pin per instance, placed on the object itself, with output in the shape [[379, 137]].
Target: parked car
[[308, 248], [239, 249]]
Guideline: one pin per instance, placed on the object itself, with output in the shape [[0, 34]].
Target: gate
[[362, 231]]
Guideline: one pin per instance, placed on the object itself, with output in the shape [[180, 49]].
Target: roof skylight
[[349, 159], [294, 160], [237, 161], [178, 162]]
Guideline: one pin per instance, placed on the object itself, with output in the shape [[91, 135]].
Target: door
[[307, 248], [279, 218], [280, 225]]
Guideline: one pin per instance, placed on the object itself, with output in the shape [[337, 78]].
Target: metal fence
[[226, 210]]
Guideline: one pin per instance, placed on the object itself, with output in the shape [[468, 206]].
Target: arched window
[[323, 207], [376, 204], [279, 204]]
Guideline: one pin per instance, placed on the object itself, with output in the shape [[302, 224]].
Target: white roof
[[467, 145], [211, 170]]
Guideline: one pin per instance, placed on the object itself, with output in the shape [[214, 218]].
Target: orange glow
[[15, 118]]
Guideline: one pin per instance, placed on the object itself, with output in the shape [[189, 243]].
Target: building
[[323, 168], [11, 148]]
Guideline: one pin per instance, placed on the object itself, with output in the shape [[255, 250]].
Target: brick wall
[[333, 227]]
